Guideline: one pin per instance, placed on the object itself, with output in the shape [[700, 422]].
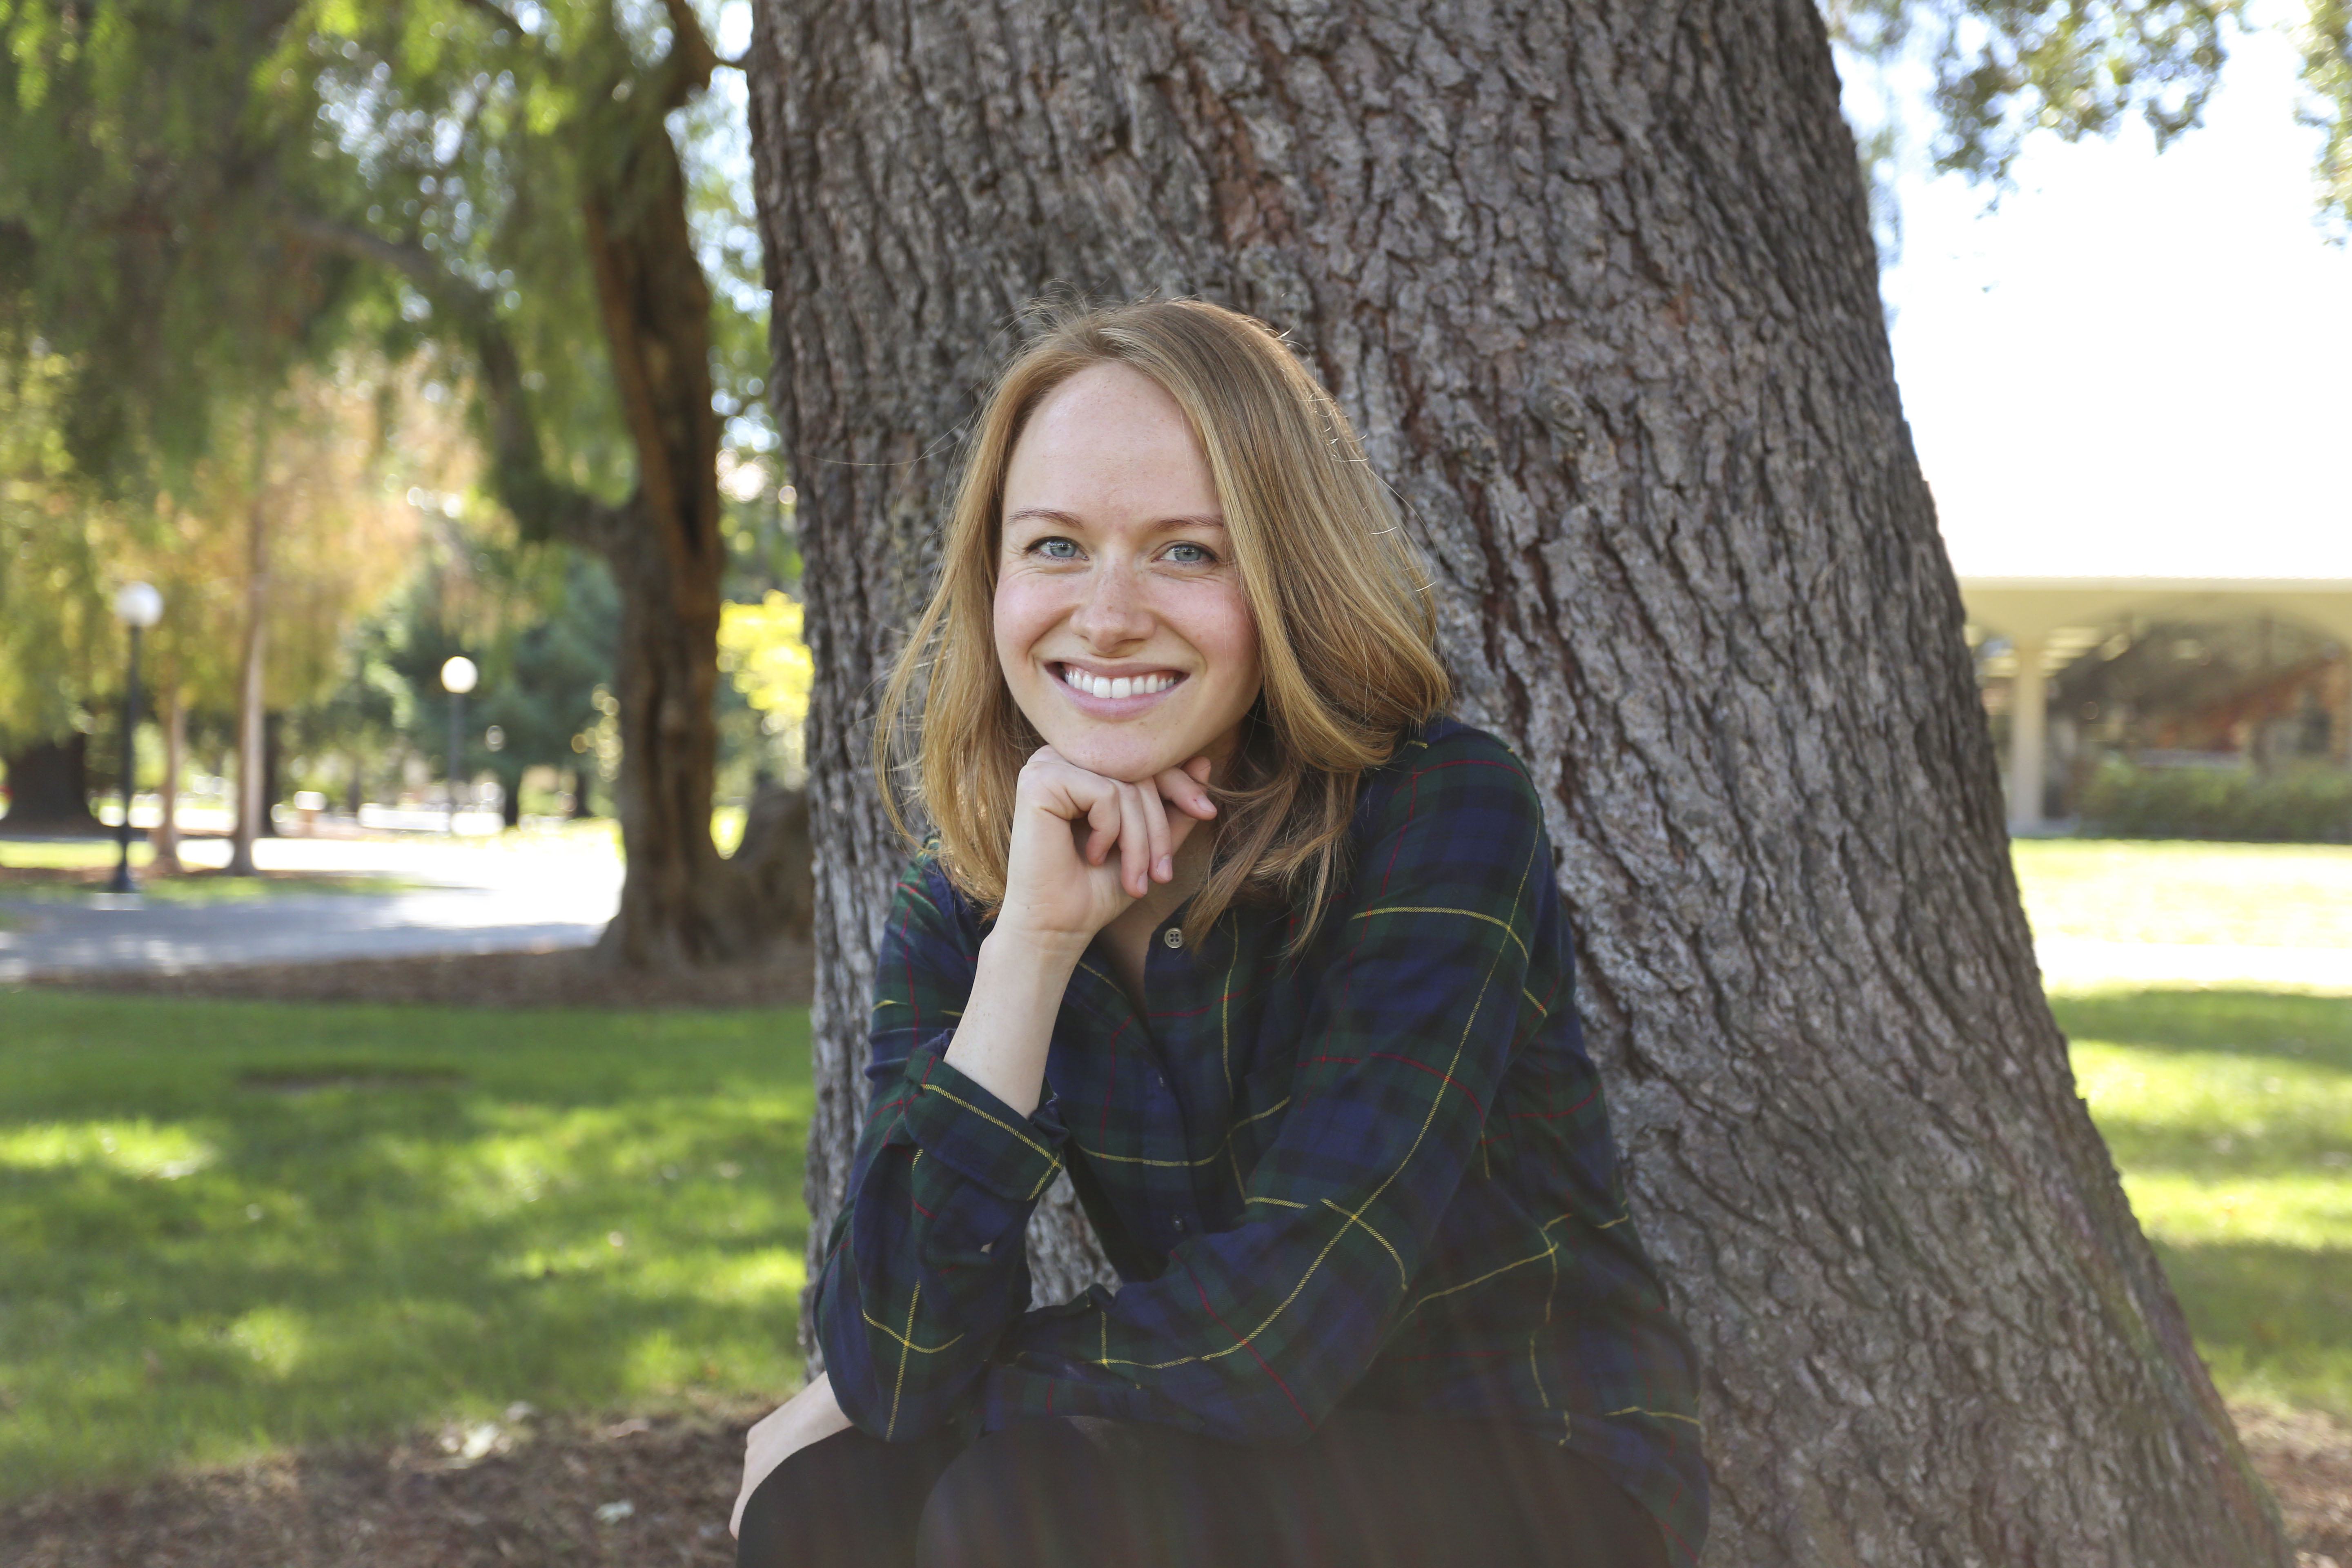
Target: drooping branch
[[545, 507], [690, 60], [501, 15]]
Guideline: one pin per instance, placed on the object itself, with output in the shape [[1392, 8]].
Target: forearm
[[1008, 1022]]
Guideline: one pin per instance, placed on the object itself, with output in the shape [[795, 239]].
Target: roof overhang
[[2028, 609]]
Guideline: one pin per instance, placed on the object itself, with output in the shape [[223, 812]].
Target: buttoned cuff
[[977, 1136]]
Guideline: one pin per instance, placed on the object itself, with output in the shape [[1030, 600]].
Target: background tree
[[490, 180], [518, 176], [52, 606], [1597, 283]]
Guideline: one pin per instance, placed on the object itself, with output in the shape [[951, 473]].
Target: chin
[[1131, 759]]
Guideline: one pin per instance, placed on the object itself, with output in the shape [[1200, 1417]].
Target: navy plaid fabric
[[1378, 1174]]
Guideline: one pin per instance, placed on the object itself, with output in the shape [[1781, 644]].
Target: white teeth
[[1095, 685]]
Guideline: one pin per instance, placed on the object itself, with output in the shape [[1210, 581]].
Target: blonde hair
[[1346, 629]]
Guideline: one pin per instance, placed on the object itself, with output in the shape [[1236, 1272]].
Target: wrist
[[1054, 952]]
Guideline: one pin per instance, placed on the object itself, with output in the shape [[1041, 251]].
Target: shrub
[[2305, 803]]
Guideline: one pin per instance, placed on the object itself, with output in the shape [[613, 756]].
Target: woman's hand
[[809, 1417], [1086, 846]]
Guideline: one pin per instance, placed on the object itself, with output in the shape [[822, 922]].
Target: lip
[[1088, 703]]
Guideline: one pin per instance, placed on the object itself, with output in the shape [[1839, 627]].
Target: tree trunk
[[163, 851], [681, 902], [273, 787], [1597, 283], [251, 664], [49, 788]]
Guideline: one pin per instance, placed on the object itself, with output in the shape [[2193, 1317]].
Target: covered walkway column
[[2029, 729]]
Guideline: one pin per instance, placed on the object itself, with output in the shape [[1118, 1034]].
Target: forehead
[[1109, 446]]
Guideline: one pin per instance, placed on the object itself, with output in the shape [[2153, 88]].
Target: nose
[[1112, 611]]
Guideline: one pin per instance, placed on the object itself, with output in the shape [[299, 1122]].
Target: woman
[[1223, 917]]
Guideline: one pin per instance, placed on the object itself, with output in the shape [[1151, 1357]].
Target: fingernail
[[1166, 866]]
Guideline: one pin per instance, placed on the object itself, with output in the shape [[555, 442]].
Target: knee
[[781, 1504], [1017, 1499], [845, 1502]]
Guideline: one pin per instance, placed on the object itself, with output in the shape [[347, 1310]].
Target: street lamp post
[[138, 605], [457, 678]]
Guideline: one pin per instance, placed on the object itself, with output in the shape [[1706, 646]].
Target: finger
[[1162, 848], [1103, 819], [1134, 842], [1184, 791]]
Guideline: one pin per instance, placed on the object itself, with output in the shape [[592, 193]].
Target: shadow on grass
[[2221, 1085], [2273, 1322], [451, 1211], [2295, 1025]]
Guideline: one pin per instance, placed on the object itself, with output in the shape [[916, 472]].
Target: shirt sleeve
[[1253, 1334], [925, 1267]]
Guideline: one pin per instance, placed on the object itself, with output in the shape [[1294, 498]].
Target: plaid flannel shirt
[[1378, 1174]]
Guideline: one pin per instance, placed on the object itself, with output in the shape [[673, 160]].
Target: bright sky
[[2137, 364]]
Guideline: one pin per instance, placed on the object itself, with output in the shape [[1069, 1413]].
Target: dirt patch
[[504, 1495], [564, 979], [2307, 1460], [522, 1492]]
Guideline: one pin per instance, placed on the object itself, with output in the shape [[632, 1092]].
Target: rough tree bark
[[1596, 280]]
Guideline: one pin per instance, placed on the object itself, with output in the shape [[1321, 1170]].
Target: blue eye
[[1057, 548], [1186, 554]]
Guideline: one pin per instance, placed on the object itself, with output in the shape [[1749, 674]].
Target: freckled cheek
[[1022, 614], [1225, 633]]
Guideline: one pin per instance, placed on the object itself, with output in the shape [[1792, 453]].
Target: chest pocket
[[1258, 1110]]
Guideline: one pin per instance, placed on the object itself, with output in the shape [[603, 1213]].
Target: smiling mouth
[[1115, 686]]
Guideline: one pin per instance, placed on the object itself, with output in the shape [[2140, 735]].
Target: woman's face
[[1120, 621]]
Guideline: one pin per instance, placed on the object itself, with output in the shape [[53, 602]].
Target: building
[[2236, 671]]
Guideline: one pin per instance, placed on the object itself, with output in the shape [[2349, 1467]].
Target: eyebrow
[[1047, 514]]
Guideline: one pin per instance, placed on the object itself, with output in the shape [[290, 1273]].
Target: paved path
[[466, 898]]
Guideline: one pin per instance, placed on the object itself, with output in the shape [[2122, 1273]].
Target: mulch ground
[[508, 1495], [527, 1490], [571, 978]]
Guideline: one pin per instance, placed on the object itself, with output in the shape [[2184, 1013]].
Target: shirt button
[[1173, 936]]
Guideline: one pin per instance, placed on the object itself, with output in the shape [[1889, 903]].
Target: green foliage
[[2005, 68], [2310, 804], [234, 1227], [2001, 70], [57, 637], [761, 651], [2229, 1115], [149, 157], [2327, 43]]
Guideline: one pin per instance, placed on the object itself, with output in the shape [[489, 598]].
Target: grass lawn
[[2228, 1107], [2229, 1115], [231, 1227], [69, 854], [2120, 889]]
